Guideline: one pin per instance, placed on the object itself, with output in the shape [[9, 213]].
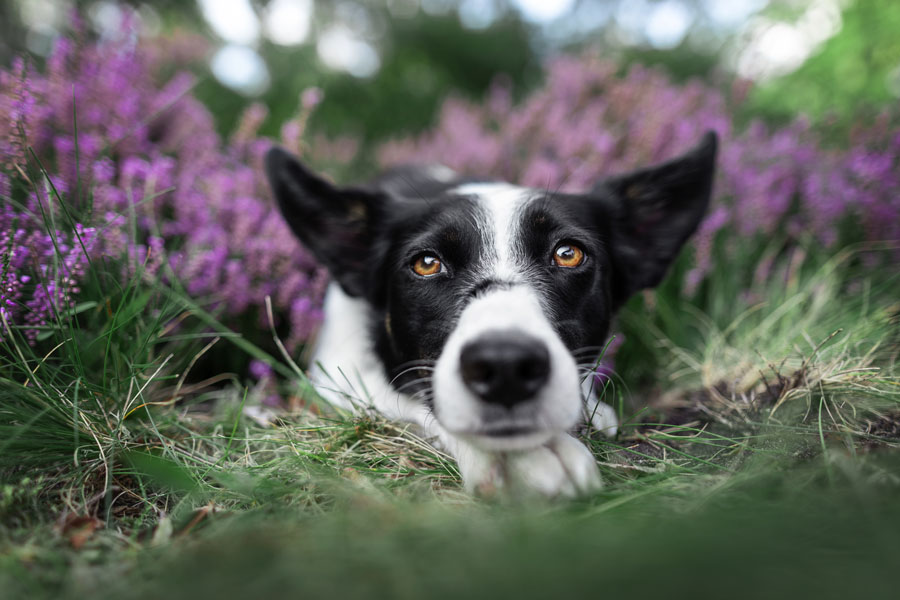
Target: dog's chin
[[525, 429], [507, 438]]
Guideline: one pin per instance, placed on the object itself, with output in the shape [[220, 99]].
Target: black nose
[[505, 367]]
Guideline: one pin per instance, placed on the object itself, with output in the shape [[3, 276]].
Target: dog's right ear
[[335, 224]]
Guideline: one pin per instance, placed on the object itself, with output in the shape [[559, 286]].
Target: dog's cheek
[[581, 318], [417, 324]]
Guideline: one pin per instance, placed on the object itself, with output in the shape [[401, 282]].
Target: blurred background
[[803, 93], [385, 65], [768, 358]]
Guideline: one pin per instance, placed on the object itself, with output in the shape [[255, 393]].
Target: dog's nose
[[505, 367]]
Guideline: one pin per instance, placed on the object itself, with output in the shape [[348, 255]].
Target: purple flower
[[260, 370], [311, 97], [148, 157]]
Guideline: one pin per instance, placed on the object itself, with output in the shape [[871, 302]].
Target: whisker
[[427, 362], [412, 383], [410, 370], [425, 395]]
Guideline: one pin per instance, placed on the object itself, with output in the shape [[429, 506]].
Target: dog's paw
[[562, 467], [601, 416]]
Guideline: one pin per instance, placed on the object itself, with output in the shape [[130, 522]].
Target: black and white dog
[[472, 307]]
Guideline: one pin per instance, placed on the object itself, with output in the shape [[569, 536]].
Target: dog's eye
[[427, 265], [568, 256]]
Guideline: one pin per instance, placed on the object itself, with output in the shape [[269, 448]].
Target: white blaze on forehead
[[501, 203], [440, 173]]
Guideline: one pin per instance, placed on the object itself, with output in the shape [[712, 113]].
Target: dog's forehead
[[495, 195], [501, 204]]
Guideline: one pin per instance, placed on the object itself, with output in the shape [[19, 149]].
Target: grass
[[761, 459]]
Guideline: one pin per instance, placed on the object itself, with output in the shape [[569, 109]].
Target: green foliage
[[422, 61], [770, 533], [762, 302], [682, 63], [428, 58], [856, 70]]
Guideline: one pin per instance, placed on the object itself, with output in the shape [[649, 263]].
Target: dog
[[476, 308]]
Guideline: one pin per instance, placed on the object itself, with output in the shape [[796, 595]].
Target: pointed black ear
[[655, 210], [335, 224]]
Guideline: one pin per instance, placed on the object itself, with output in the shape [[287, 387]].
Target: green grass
[[758, 456]]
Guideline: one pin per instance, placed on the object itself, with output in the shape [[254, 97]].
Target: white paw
[[601, 416], [561, 467]]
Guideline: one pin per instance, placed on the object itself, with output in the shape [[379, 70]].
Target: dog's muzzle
[[505, 367], [505, 380]]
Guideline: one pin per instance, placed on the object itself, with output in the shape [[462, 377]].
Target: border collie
[[477, 308]]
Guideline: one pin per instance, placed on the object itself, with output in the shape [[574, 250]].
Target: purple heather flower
[[311, 97], [260, 370], [146, 148]]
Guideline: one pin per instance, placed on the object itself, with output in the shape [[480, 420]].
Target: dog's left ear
[[654, 211], [335, 223]]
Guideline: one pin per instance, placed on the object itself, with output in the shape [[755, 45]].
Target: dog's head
[[486, 298]]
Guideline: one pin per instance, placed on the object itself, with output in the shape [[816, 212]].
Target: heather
[[124, 164], [157, 438]]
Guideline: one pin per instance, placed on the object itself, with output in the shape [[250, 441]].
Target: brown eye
[[568, 256], [427, 265]]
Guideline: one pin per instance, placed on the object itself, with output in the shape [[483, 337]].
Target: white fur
[[440, 173]]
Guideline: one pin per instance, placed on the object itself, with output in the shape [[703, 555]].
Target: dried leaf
[[79, 529]]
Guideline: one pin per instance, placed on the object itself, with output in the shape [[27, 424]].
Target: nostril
[[505, 367], [477, 371], [534, 369]]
